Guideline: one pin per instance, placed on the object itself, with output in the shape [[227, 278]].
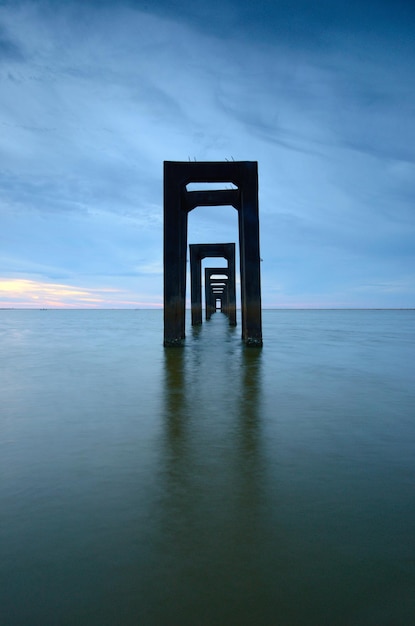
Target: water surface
[[212, 484]]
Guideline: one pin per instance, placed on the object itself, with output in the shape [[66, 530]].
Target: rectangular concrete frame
[[218, 289], [211, 299], [177, 204], [211, 295], [229, 298], [198, 252]]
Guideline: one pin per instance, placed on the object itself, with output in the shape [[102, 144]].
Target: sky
[[94, 96]]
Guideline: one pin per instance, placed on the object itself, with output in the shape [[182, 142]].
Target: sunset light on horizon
[[23, 293]]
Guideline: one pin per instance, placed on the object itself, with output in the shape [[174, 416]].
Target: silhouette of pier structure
[[178, 202], [219, 288], [198, 252]]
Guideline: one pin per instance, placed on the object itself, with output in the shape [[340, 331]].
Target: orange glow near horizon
[[26, 293], [23, 293]]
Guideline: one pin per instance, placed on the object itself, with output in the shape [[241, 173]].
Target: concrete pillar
[[195, 285], [250, 260], [175, 248], [209, 301]]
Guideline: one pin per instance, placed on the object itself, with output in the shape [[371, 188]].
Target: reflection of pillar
[[200, 251], [177, 203], [202, 498], [251, 389], [175, 397]]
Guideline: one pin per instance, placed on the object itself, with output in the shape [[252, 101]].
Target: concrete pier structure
[[216, 289], [178, 202], [213, 297], [227, 288], [198, 252]]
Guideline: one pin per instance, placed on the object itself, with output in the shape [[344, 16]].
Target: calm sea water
[[209, 485]]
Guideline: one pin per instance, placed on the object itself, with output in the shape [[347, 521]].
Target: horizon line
[[160, 308]]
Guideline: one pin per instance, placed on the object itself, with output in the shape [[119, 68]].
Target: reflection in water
[[212, 484], [250, 398], [211, 516], [175, 392], [249, 433]]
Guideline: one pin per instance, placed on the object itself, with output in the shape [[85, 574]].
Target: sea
[[212, 484]]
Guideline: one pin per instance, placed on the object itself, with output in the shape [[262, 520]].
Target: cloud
[[24, 293], [9, 50], [95, 97]]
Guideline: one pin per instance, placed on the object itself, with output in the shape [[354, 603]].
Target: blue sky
[[95, 96]]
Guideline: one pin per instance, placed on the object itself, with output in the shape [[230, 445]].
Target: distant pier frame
[[227, 290], [178, 202], [198, 252]]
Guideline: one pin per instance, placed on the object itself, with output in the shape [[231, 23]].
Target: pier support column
[[195, 284], [175, 248], [250, 260]]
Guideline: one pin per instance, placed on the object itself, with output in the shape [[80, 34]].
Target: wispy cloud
[[23, 293], [29, 292]]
